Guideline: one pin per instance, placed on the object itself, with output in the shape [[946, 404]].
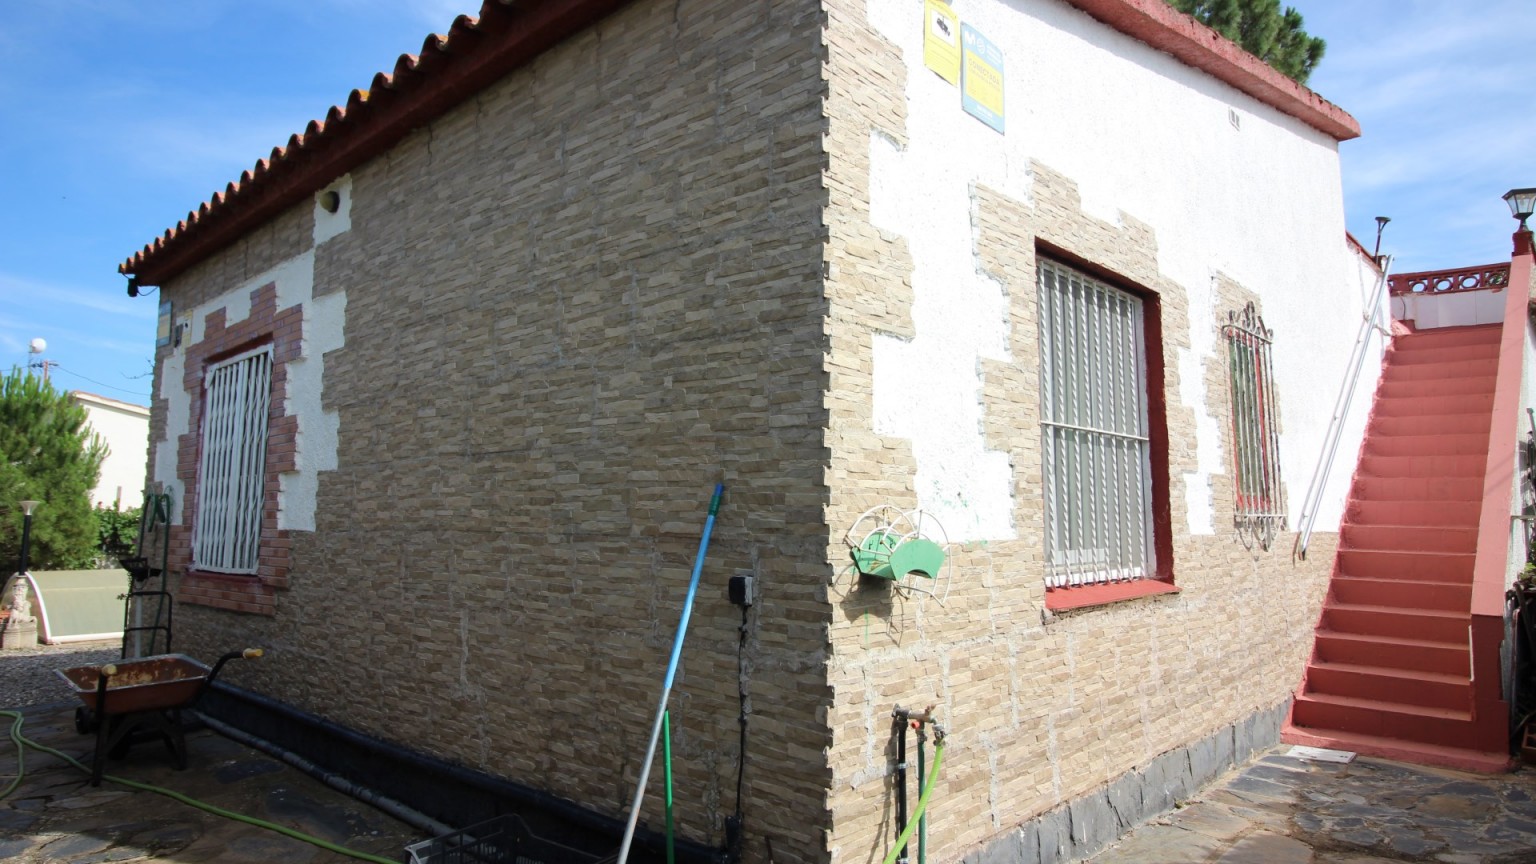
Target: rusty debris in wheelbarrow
[[144, 693]]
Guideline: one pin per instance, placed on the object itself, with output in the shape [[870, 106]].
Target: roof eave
[[475, 54], [1159, 25]]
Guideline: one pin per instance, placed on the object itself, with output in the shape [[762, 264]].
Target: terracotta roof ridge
[[475, 52]]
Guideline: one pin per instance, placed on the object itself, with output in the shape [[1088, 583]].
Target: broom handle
[[666, 687]]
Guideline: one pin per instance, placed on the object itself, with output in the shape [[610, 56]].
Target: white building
[[125, 428]]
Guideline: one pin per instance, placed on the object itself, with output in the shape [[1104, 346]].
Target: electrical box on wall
[[741, 589]]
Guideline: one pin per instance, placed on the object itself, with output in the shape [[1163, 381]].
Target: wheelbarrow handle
[[249, 653]]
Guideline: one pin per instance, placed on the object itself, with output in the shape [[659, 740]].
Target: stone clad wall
[[1050, 715], [574, 303]]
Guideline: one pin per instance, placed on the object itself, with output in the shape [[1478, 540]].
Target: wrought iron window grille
[[1258, 511]]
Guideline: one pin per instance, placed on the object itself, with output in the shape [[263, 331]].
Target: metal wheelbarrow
[[145, 693]]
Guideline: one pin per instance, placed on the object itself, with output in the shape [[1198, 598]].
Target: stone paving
[[1283, 810], [56, 816], [1275, 809]]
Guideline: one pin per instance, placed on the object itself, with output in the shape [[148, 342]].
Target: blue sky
[[122, 117]]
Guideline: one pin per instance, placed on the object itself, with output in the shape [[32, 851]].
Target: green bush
[[47, 454], [116, 533]]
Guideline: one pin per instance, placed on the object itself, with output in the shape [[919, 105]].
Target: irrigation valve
[[742, 589]]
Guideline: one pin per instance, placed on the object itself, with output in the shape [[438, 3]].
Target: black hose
[[901, 780]]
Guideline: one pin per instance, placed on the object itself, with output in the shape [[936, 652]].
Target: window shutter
[[1096, 468], [232, 470]]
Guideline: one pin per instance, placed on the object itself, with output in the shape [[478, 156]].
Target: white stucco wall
[[1258, 200], [324, 317], [1459, 309], [125, 429]]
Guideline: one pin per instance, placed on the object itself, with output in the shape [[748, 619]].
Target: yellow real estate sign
[[941, 40]]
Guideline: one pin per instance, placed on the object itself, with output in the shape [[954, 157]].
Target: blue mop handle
[[666, 687], [693, 588]]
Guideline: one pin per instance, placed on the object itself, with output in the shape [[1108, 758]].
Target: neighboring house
[[456, 370], [125, 428]]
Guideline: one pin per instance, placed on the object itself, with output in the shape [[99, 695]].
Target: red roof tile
[[475, 53]]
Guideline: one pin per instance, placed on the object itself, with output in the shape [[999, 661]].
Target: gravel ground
[[27, 675]]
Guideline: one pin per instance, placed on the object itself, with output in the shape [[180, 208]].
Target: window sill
[[237, 593], [1059, 599]]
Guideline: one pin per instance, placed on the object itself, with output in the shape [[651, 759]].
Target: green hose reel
[[907, 548], [890, 555]]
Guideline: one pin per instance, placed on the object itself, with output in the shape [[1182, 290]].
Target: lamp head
[[28, 506], [1522, 203]]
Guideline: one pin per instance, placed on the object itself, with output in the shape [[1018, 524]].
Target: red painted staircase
[[1391, 669]]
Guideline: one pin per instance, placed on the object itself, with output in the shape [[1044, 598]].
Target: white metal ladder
[[1313, 501]]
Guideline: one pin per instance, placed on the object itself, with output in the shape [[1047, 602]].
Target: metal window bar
[[1096, 470], [232, 471], [1258, 511]]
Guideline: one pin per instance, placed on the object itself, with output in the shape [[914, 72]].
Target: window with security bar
[[232, 468], [1096, 463], [1258, 512]]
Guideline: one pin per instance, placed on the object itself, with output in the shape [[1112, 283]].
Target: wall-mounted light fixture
[[133, 286], [330, 200], [1522, 203]]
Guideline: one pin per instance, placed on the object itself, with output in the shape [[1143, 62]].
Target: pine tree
[[1263, 30], [47, 454]]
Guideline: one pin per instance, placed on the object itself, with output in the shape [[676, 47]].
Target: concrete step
[[1405, 566], [1448, 337], [1368, 488], [1429, 424], [1439, 444], [1424, 388], [1424, 689], [1429, 625], [1458, 758], [1409, 538], [1418, 655], [1402, 593], [1418, 512], [1477, 367], [1441, 726], [1423, 466], [1476, 403]]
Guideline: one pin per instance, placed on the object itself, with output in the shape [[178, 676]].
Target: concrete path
[[1275, 810], [56, 816], [1282, 810]]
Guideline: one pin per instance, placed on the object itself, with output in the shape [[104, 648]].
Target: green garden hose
[[922, 803], [23, 742]]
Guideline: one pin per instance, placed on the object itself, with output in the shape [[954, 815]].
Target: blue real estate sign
[[981, 77]]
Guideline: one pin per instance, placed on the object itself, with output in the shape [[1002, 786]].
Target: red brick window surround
[[265, 329]]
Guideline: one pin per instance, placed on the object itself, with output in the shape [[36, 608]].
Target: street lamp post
[[26, 533]]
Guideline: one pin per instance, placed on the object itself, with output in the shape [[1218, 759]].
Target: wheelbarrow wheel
[[85, 721]]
